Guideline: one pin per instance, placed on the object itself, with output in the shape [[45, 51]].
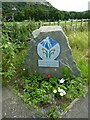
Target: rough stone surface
[[79, 110], [13, 106], [65, 57]]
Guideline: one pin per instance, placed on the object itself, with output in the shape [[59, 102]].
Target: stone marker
[[49, 52]]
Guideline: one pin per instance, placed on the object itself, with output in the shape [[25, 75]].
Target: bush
[[14, 43]]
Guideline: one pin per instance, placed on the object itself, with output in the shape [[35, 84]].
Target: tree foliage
[[26, 11]]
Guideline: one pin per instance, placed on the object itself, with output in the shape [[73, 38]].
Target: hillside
[[38, 10], [23, 0], [34, 1], [26, 8]]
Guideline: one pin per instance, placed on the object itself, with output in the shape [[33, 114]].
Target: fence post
[[49, 23], [54, 22], [76, 24], [58, 22], [65, 23], [39, 24], [86, 22], [65, 26], [71, 25], [81, 25]]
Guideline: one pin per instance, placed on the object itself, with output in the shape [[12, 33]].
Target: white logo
[[48, 50]]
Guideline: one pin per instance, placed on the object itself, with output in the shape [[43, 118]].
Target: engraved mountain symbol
[[48, 43]]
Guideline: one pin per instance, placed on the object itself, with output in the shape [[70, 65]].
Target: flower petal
[[62, 80], [61, 94], [55, 91]]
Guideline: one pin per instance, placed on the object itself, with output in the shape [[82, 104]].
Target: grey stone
[[65, 57], [13, 106], [79, 110]]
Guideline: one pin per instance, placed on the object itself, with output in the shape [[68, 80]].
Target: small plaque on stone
[[48, 50]]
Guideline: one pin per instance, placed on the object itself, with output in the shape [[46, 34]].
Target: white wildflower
[[59, 89], [64, 92], [62, 80], [55, 91], [61, 94], [24, 69]]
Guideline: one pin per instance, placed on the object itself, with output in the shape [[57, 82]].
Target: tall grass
[[79, 44]]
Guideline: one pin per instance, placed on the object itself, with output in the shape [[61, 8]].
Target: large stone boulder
[[49, 53]]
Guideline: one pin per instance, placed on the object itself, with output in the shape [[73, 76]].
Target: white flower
[[24, 69], [61, 94], [64, 92], [59, 89], [55, 91], [62, 80]]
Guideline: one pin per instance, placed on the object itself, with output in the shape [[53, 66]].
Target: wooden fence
[[72, 25]]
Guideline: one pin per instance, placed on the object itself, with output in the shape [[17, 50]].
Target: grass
[[79, 45]]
